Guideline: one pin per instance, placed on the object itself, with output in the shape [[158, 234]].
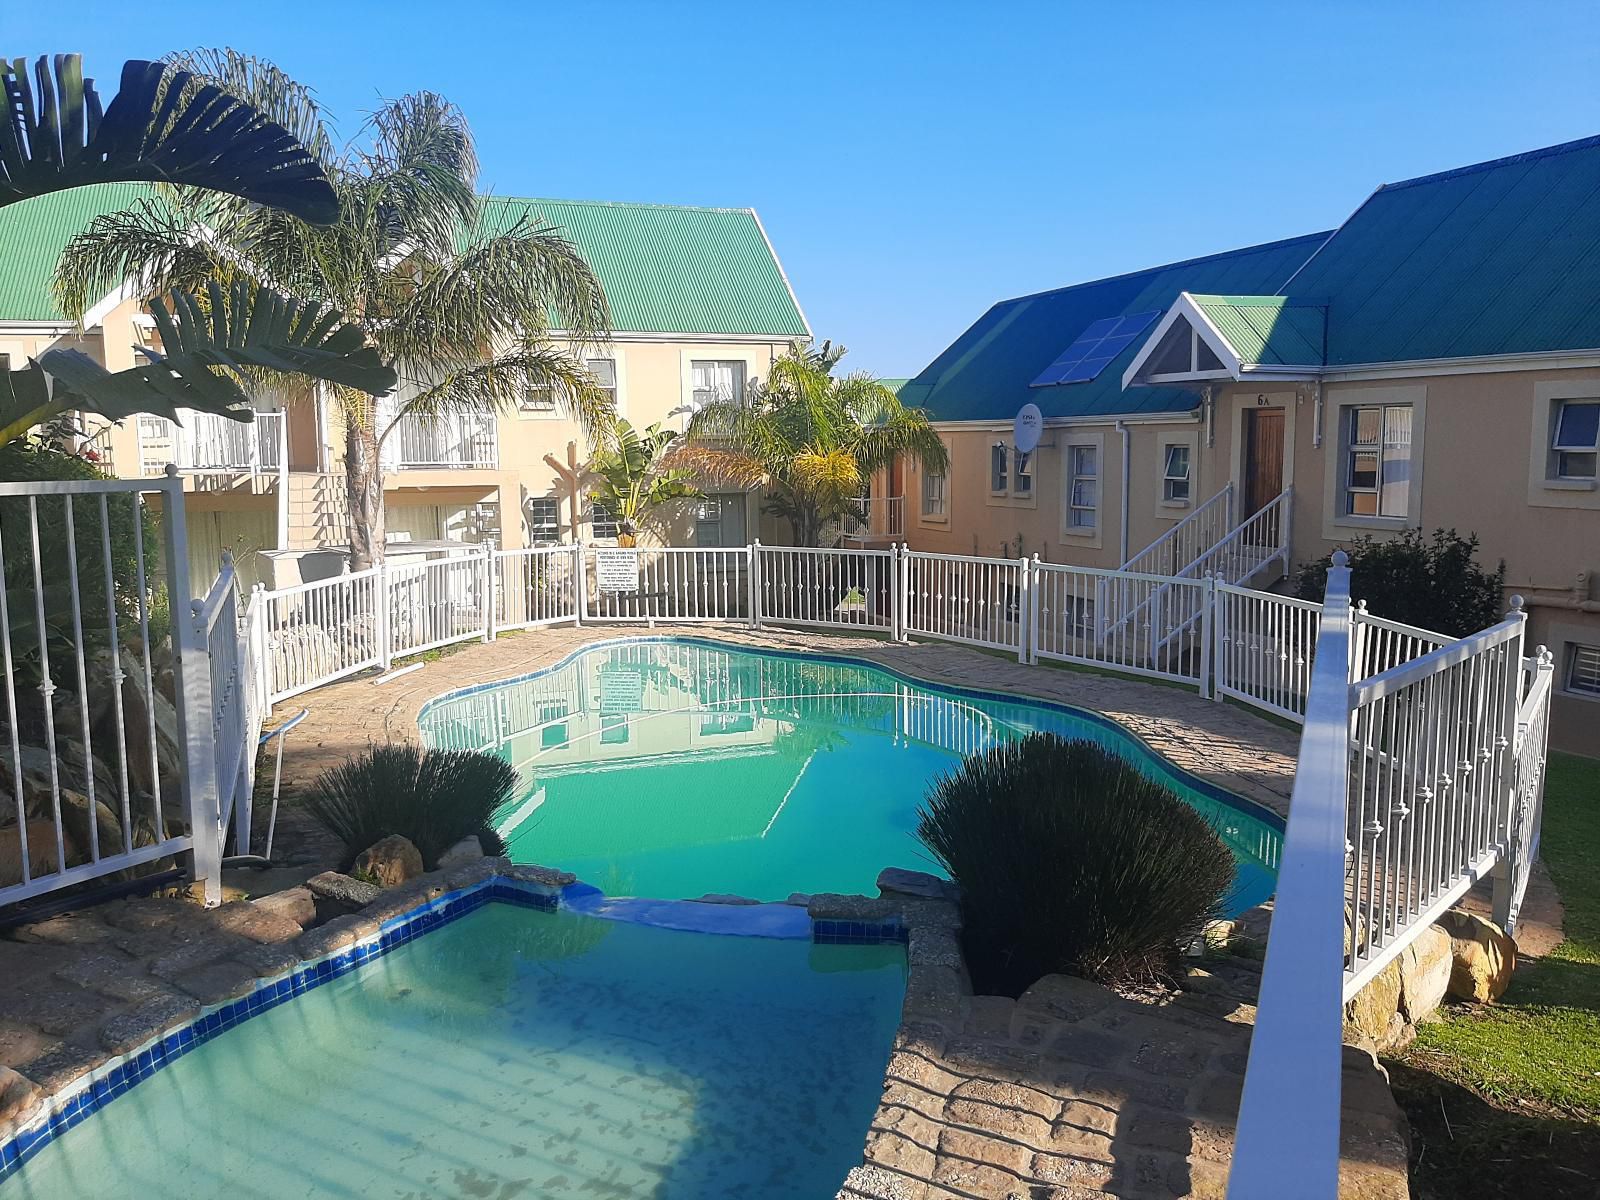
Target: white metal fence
[[956, 598]]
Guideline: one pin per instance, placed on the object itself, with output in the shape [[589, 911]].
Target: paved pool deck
[[1222, 743]]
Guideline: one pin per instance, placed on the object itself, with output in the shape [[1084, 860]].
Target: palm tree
[[464, 314], [811, 438], [169, 125], [635, 477]]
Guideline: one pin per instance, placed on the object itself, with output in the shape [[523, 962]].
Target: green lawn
[[1519, 1081]]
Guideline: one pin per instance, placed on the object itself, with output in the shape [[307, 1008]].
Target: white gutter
[[1127, 466]]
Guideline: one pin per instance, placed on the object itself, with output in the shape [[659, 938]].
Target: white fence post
[[902, 599], [488, 591], [1503, 893], [385, 608], [580, 581], [1208, 621], [1035, 586], [201, 791], [1024, 606], [755, 583]]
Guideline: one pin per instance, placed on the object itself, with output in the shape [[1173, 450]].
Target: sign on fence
[[617, 570]]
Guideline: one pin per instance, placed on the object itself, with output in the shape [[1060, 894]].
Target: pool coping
[[1222, 795], [404, 913]]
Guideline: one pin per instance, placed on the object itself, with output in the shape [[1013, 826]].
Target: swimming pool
[[517, 1053], [676, 767]]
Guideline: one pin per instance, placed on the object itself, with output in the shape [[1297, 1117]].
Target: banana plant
[[635, 478], [165, 125], [204, 350]]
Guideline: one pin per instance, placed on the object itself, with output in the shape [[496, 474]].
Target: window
[[1378, 461], [719, 520], [538, 396], [1576, 443], [1175, 474], [716, 381], [544, 519], [602, 522], [1083, 487], [1024, 481], [1583, 670], [933, 494], [604, 373], [999, 475]]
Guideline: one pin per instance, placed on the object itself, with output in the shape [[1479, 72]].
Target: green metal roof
[[1268, 329], [668, 269], [33, 233], [894, 385], [1498, 258], [664, 269], [984, 375]]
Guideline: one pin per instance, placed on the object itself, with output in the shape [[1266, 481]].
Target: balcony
[[454, 441], [876, 518], [207, 442]]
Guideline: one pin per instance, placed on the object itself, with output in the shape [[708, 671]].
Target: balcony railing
[[453, 441], [876, 517], [207, 442]]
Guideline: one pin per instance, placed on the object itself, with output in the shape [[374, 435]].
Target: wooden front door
[[1263, 458]]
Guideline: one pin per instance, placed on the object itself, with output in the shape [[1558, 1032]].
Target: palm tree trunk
[[364, 487]]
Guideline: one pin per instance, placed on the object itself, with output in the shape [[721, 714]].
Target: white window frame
[[1582, 675], [1071, 477], [602, 517], [1349, 449], [614, 390], [555, 522], [741, 374], [934, 487], [1022, 476], [1177, 489], [999, 469], [1559, 450], [724, 501]]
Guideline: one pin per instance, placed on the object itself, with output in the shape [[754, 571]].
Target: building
[[700, 306], [1432, 363]]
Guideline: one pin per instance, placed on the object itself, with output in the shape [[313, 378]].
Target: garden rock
[[341, 889], [1372, 1015], [468, 849], [915, 883], [1484, 956], [297, 904], [1425, 970], [389, 861], [17, 1094]]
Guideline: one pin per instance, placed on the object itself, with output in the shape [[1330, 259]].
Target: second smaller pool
[[673, 769]]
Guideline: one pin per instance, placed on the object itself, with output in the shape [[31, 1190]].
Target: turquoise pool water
[[518, 1054], [677, 768]]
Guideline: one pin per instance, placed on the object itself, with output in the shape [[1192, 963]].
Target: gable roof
[[985, 374], [665, 269], [1271, 330], [34, 232], [670, 269], [1502, 257]]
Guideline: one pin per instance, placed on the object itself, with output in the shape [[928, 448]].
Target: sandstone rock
[[468, 849], [1484, 956], [330, 885], [1370, 1015], [296, 903], [18, 1094], [389, 861], [1425, 970], [914, 883]]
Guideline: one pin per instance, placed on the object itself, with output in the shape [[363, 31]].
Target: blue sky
[[915, 162]]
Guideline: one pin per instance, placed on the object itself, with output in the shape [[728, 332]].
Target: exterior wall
[[1478, 461]]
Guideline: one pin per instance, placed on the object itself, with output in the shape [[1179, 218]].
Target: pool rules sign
[[617, 570]]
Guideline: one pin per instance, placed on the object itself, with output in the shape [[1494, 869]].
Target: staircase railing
[[1188, 539]]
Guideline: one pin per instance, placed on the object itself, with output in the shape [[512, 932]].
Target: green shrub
[[433, 797], [1071, 861], [1432, 583]]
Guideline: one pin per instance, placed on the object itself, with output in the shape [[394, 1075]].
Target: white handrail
[[1289, 1116], [1188, 537]]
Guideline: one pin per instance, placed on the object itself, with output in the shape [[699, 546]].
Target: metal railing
[[1249, 547], [452, 441], [536, 586], [1186, 541], [825, 588], [688, 584], [877, 517], [958, 598], [1264, 648], [207, 442], [1128, 622]]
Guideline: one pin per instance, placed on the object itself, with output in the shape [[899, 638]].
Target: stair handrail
[[1223, 499]]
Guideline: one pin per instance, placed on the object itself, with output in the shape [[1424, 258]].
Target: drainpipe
[[569, 474], [1127, 463]]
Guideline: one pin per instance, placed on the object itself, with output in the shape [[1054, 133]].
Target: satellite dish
[[1027, 428]]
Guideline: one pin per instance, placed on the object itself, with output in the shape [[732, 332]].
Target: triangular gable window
[[1183, 351]]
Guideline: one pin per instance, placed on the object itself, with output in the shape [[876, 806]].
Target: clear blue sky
[[915, 162]]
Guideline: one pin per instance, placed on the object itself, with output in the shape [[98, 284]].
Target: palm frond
[[718, 466], [165, 125]]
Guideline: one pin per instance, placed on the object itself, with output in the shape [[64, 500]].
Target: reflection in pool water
[[677, 768]]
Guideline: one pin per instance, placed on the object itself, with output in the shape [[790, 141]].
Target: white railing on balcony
[[452, 441], [207, 442], [1264, 648], [1186, 541], [876, 517]]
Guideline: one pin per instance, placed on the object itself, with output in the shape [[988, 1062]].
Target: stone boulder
[[389, 861], [468, 849], [342, 890], [296, 903], [18, 1095], [1425, 970], [1373, 1018], [1484, 956]]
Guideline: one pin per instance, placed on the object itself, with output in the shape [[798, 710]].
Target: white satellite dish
[[1027, 428]]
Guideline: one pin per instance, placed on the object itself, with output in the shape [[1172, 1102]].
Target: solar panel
[[1095, 350]]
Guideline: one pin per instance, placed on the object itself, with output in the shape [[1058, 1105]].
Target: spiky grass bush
[[433, 797], [1071, 861]]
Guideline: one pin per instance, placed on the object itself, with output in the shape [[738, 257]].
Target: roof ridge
[[497, 197], [1171, 266], [1587, 143]]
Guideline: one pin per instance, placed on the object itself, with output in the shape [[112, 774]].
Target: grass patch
[[1520, 1080]]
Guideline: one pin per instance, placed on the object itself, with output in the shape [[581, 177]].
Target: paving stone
[[1010, 1095], [264, 962], [60, 1064], [55, 1007], [974, 1179], [219, 982], [870, 1182], [899, 1152], [342, 889], [134, 1026], [66, 929], [936, 992], [976, 1147], [19, 1095], [989, 1017], [296, 903], [915, 883], [1090, 1047], [253, 921], [1088, 1117], [1171, 1061], [1067, 1169], [1065, 998], [112, 974], [530, 873], [935, 948], [198, 953], [993, 1118], [19, 1043], [1158, 1131], [468, 872]]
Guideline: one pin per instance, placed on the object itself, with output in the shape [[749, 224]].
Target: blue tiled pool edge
[[1205, 787], [65, 1109]]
